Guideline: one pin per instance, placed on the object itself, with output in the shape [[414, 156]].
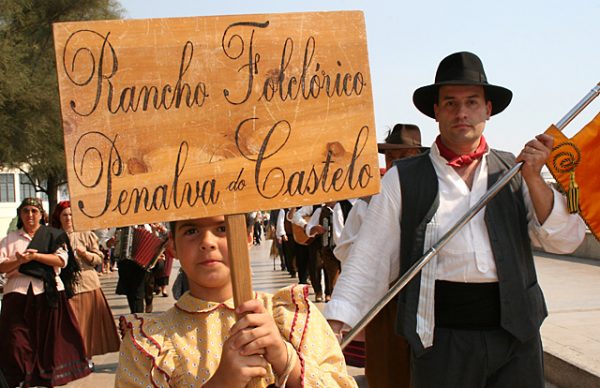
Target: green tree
[[30, 122]]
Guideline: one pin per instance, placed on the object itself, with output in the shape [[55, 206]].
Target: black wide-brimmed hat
[[401, 136], [463, 68]]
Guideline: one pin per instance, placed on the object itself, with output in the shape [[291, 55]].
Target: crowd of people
[[471, 318], [55, 316]]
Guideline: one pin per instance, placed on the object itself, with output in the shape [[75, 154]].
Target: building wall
[[11, 195]]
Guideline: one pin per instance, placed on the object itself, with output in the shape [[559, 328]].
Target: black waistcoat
[[521, 300]]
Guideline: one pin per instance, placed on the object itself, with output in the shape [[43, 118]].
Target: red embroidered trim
[[302, 362], [205, 310], [123, 323], [152, 340], [295, 313], [298, 350]]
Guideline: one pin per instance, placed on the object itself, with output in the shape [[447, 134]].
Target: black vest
[[325, 220], [521, 300]]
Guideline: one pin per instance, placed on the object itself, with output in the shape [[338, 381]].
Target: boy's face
[[201, 247]]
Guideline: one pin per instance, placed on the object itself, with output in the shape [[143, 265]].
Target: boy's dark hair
[[249, 223]]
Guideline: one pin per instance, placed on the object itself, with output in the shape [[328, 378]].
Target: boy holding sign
[[281, 339]]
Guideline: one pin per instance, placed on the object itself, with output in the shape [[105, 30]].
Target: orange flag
[[574, 164]]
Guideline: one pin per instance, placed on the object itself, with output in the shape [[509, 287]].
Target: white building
[[14, 187]]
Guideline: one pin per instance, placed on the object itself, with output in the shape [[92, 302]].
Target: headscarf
[[60, 207], [30, 201]]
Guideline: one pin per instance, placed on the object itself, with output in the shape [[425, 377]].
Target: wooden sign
[[168, 119]]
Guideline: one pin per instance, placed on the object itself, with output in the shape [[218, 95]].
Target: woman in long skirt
[[40, 342], [89, 304]]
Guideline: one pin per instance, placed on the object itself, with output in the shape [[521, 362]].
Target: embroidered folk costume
[[182, 347]]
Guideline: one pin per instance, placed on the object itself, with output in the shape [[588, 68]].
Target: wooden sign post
[[170, 119], [237, 243]]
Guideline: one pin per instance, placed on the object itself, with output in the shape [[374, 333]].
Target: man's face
[[461, 112], [30, 216], [201, 247], [391, 155]]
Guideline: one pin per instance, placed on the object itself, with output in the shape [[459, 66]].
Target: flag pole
[[434, 250]]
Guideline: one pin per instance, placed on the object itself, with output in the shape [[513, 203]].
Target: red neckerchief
[[456, 160]]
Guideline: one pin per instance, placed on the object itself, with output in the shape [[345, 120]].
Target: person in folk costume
[[105, 240], [327, 221], [40, 338], [204, 340], [307, 256], [277, 246], [285, 237], [387, 355], [135, 282], [472, 316], [89, 304], [257, 228], [131, 275], [164, 265], [150, 286]]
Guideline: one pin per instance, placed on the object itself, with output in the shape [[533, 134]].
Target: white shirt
[[280, 227], [374, 262], [18, 241], [350, 231], [298, 216], [337, 219], [104, 235]]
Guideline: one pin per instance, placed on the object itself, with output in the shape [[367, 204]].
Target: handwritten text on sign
[[175, 118]]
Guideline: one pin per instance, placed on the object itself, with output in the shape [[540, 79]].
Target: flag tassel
[[573, 195]]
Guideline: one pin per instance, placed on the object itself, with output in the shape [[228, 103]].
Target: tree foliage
[[30, 122]]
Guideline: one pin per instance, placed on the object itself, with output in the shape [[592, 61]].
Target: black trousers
[[132, 284], [301, 262], [315, 266], [309, 265], [289, 254], [479, 359]]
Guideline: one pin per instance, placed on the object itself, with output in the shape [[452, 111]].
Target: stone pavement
[[570, 334]]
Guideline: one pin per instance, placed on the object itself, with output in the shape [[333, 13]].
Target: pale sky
[[544, 51]]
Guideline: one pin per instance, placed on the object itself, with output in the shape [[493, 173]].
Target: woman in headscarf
[[40, 342], [89, 304]]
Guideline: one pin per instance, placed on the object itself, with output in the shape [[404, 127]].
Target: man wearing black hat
[[472, 315], [387, 355], [404, 140]]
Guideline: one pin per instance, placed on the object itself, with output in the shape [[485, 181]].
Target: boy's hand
[[257, 333], [236, 370]]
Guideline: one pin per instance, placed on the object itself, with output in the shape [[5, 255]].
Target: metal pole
[[434, 250]]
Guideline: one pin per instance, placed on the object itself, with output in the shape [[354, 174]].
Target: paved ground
[[570, 334]]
